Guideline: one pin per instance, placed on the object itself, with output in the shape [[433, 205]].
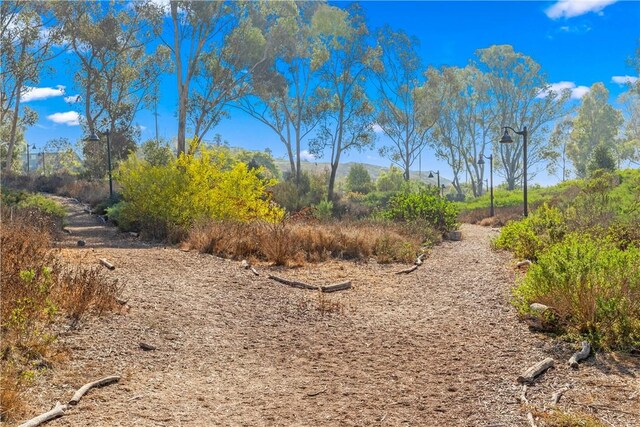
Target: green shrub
[[424, 205], [25, 200], [189, 189], [593, 287], [323, 210], [529, 237]]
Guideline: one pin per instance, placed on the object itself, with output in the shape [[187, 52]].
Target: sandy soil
[[438, 347]]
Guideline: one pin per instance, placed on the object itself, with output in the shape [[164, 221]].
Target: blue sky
[[577, 42]]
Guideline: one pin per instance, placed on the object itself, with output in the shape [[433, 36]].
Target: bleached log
[[555, 397], [56, 412], [580, 355], [254, 271], [530, 374], [407, 270], [293, 283], [107, 264], [85, 388], [337, 287], [420, 259]]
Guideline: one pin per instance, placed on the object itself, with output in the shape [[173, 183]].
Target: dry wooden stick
[[555, 397], [580, 355], [107, 264], [337, 287], [532, 422], [85, 388], [523, 395], [56, 412], [419, 259], [293, 283], [530, 374], [316, 393], [408, 270], [254, 271]]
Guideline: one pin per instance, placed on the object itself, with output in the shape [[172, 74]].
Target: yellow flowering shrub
[[191, 188]]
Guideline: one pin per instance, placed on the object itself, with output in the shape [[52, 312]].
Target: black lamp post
[[442, 190], [481, 162], [93, 137], [506, 139], [437, 173]]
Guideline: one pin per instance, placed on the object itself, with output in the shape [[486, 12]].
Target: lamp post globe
[[506, 139]]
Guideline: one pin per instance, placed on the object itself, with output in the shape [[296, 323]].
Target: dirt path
[[438, 347]]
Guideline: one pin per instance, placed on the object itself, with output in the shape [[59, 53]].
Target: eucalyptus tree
[[556, 151], [597, 123], [348, 120], [521, 96], [407, 105], [27, 42], [465, 125], [283, 92], [114, 69]]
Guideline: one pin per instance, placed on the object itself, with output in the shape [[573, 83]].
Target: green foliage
[[323, 210], [424, 205], [601, 158], [190, 189], [593, 286], [292, 196], [528, 238], [390, 181], [23, 199], [157, 153], [359, 180]]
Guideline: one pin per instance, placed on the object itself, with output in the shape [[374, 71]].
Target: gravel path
[[438, 347]]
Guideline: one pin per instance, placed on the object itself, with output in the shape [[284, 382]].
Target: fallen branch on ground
[[580, 355], [555, 398], [420, 259], [85, 388], [523, 395], [407, 270], [56, 412], [254, 271], [107, 264], [530, 374], [316, 393], [302, 285], [337, 287], [532, 421]]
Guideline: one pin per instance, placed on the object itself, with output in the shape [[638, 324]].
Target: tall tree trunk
[[14, 128], [183, 87]]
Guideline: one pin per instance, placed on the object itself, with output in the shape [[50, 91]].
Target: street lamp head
[[480, 160], [506, 138], [430, 174], [33, 147], [93, 137]]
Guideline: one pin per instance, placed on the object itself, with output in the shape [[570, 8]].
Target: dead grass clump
[[90, 192], [37, 288], [289, 242]]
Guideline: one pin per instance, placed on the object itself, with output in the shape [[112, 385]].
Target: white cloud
[[377, 128], [142, 128], [622, 80], [69, 118], [577, 92], [306, 155], [572, 8], [72, 99], [38, 93]]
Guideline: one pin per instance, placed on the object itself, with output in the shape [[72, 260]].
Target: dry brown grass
[[37, 289], [292, 243], [90, 192], [566, 419], [502, 216]]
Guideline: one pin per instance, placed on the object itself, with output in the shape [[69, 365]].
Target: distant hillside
[[343, 171]]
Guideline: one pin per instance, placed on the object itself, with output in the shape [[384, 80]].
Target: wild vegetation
[[38, 291], [586, 253]]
